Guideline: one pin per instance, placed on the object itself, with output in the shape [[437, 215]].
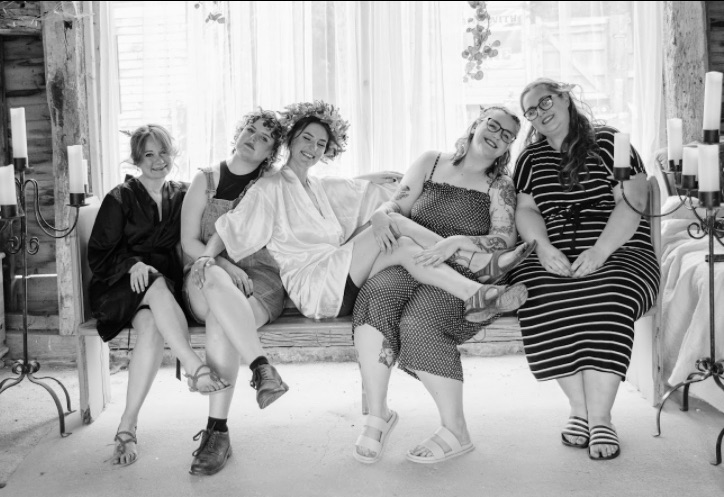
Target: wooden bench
[[290, 330]]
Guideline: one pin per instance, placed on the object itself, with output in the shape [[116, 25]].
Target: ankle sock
[[217, 424], [258, 362]]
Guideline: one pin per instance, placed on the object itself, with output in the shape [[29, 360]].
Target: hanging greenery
[[212, 11], [479, 28]]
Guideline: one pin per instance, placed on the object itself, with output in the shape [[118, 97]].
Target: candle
[[621, 150], [674, 139], [75, 169], [712, 100], [709, 168], [20, 140], [691, 161], [7, 185], [85, 175]]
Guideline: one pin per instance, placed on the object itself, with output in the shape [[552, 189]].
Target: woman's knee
[[158, 289], [144, 324], [216, 279]]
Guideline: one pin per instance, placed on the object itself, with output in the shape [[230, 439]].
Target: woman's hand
[[553, 260], [239, 277], [139, 276], [438, 253], [384, 228], [198, 270], [589, 261], [382, 177]]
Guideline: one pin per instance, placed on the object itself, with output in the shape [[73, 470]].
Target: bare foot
[[125, 451]]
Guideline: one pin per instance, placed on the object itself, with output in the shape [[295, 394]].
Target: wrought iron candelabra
[[709, 225], [21, 243]]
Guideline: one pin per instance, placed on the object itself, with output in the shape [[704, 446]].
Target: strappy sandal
[[493, 273], [384, 427], [576, 427], [438, 452], [603, 435], [479, 308], [198, 374], [120, 449]]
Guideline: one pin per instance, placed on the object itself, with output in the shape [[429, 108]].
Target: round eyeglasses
[[544, 104], [506, 135]]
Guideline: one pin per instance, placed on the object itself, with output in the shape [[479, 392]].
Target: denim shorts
[[264, 274]]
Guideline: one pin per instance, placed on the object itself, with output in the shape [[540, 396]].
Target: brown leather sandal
[[120, 449], [198, 374]]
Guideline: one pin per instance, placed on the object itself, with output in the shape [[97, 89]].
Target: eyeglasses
[[494, 126], [544, 104]]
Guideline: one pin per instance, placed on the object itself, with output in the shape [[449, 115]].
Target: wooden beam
[[20, 18], [685, 63], [64, 44]]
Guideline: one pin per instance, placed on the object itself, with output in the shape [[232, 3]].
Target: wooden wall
[[22, 84]]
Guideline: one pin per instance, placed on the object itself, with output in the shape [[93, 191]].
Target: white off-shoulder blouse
[[308, 246]]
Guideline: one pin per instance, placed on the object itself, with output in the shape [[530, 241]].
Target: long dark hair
[[579, 144], [499, 167]]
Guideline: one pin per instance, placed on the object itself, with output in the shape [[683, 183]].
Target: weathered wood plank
[[685, 62], [64, 48]]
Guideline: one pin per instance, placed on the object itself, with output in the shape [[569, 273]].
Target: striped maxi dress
[[572, 324]]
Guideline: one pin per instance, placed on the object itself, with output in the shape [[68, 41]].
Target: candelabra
[[21, 243], [706, 367]]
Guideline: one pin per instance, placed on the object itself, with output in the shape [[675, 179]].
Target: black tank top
[[232, 185]]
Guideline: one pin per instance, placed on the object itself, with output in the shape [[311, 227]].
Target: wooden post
[[65, 73], [685, 63]]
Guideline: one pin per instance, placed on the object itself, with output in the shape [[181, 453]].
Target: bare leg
[[142, 370], [223, 357], [375, 366], [448, 396], [572, 386], [171, 323], [239, 317], [601, 389], [367, 261]]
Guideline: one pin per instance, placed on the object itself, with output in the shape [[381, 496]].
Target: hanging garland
[[479, 28]]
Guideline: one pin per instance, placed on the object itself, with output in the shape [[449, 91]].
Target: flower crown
[[326, 113]]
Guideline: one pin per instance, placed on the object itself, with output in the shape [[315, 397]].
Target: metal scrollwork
[[33, 245]]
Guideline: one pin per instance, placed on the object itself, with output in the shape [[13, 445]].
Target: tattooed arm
[[384, 227]]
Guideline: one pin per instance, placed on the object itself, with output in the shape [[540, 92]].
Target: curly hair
[[141, 135], [499, 167], [270, 120], [579, 144]]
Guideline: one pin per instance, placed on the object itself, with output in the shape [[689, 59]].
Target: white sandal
[[438, 453], [384, 427]]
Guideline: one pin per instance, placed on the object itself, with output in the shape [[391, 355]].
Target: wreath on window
[[479, 28]]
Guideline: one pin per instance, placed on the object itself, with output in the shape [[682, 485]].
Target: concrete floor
[[302, 444]]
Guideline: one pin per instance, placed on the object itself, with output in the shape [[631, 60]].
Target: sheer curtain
[[393, 68], [648, 81], [383, 63]]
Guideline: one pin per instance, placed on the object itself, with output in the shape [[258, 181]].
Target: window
[[394, 69]]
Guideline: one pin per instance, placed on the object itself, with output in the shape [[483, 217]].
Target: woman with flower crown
[[308, 226]]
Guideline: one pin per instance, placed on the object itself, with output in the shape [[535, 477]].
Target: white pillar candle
[[691, 161], [621, 150], [709, 180], [75, 169], [675, 139], [712, 100], [85, 175], [20, 140], [7, 186]]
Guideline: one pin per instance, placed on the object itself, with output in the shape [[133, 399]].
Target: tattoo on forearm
[[387, 356], [489, 243], [402, 192]]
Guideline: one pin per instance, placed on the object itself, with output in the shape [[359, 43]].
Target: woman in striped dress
[[595, 272]]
